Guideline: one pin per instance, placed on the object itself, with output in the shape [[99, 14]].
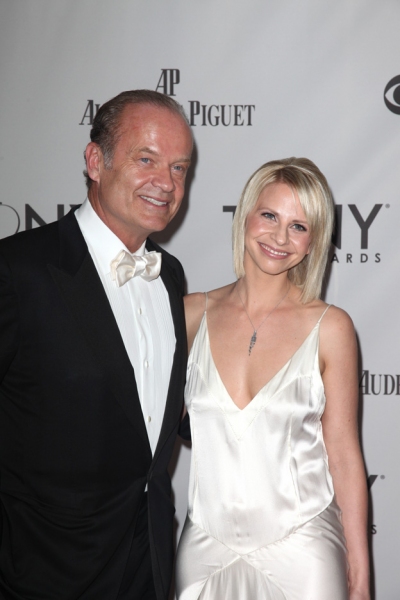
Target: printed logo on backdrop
[[379, 384], [168, 80], [10, 220], [382, 384], [89, 113], [391, 95], [200, 114], [365, 222], [213, 115], [370, 482]]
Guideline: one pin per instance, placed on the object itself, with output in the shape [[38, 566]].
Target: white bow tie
[[126, 266]]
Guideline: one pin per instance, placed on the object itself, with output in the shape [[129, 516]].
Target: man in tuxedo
[[92, 368]]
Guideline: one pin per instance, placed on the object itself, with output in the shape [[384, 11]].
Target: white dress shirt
[[143, 315]]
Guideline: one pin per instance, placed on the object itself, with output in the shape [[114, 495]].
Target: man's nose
[[163, 179]]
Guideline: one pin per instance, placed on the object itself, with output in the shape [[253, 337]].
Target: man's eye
[[179, 170], [145, 160]]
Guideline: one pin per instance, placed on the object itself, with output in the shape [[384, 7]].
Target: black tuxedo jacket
[[74, 452]]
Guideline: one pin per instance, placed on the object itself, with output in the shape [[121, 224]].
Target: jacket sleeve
[[184, 428], [8, 318]]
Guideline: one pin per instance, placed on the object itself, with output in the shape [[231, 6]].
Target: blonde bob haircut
[[304, 178]]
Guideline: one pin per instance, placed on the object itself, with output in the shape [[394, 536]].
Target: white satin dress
[[262, 520]]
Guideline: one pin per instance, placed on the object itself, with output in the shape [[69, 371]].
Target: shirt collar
[[99, 238]]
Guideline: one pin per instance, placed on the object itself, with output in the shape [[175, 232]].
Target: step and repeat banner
[[259, 80]]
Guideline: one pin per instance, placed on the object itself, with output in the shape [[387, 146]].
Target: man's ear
[[94, 160]]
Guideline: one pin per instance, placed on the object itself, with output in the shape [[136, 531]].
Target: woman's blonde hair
[[304, 177]]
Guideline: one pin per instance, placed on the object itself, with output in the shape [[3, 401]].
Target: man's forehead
[[136, 114], [141, 118]]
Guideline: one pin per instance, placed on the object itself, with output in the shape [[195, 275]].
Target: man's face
[[143, 189]]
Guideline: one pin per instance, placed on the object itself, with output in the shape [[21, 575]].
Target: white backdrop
[[304, 78]]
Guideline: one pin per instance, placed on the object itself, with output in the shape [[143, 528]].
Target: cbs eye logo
[[391, 95]]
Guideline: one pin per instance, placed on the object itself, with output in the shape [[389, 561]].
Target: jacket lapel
[[174, 402], [78, 282]]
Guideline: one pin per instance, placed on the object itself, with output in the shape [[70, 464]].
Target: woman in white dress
[[277, 493]]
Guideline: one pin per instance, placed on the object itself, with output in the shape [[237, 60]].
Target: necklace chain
[[253, 338]]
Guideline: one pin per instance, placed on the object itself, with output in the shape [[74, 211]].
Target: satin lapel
[[79, 284], [174, 403]]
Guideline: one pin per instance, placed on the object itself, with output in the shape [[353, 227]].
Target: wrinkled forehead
[[143, 112], [140, 123]]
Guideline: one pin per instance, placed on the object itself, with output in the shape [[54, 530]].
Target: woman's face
[[277, 234]]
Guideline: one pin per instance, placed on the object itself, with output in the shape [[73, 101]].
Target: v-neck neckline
[[242, 410]]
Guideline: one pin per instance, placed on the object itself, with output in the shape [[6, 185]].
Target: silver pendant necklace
[[253, 338]]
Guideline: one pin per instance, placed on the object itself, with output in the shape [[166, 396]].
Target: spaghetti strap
[[321, 317]]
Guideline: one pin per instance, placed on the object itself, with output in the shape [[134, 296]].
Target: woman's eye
[[299, 227], [268, 215]]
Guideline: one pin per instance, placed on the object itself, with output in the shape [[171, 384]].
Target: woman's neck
[[265, 291]]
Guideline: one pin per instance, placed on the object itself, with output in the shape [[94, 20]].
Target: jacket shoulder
[[58, 241], [32, 242]]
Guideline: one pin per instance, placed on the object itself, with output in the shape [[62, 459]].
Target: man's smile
[[154, 201]]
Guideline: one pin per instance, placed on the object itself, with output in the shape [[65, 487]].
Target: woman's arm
[[195, 305], [194, 309], [338, 354]]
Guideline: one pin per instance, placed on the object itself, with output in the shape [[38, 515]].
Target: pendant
[[252, 341]]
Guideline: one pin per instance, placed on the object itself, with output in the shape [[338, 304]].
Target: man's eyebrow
[[150, 151]]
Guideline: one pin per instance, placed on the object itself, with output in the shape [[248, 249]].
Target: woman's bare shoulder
[[337, 335], [195, 303], [337, 320], [195, 306], [331, 316]]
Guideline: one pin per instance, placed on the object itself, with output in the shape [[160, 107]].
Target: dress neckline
[[205, 324]]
